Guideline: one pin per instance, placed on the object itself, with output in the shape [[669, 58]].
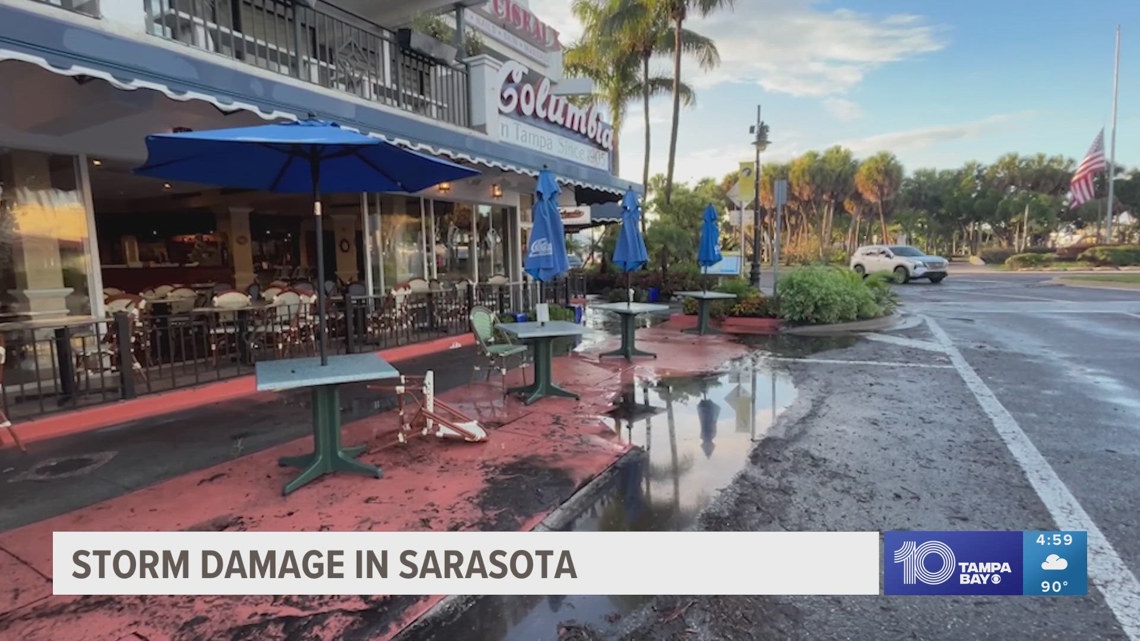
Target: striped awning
[[66, 46]]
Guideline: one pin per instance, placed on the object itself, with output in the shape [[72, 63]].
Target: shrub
[[826, 295], [999, 255], [1112, 255], [881, 286], [1029, 261], [1072, 251]]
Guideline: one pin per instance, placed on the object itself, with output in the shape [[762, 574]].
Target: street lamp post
[[760, 131]]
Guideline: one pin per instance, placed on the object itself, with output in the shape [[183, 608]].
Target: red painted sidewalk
[[536, 458]]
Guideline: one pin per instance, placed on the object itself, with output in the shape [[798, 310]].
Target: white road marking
[[1107, 571], [904, 342], [828, 361]]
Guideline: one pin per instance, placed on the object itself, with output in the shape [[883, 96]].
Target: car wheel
[[901, 275], [861, 271], [936, 279]]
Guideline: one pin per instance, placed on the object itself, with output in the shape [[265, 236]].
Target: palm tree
[[612, 68], [642, 27], [678, 12], [878, 180]]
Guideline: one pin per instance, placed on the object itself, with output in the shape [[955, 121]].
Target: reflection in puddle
[[697, 433]]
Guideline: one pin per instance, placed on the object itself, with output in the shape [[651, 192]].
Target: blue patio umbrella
[[546, 256], [630, 254], [708, 253], [303, 157]]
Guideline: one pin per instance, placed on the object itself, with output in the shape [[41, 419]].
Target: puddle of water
[[697, 433]]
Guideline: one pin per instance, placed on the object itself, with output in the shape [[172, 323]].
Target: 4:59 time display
[[1055, 539]]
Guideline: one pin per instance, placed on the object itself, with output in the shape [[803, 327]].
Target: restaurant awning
[[69, 48]]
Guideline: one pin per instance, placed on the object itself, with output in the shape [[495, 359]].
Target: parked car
[[906, 263], [575, 261]]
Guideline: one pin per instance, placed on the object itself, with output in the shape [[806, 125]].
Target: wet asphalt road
[[938, 426]]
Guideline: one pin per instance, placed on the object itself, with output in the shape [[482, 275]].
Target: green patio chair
[[494, 347]]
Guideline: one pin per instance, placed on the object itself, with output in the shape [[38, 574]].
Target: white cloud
[[843, 109], [790, 46], [926, 137]]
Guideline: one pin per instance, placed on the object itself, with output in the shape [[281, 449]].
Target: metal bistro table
[[328, 455], [704, 299], [540, 337], [628, 312]]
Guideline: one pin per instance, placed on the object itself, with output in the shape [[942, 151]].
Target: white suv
[[905, 263]]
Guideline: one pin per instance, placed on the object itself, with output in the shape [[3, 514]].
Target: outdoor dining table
[[245, 354], [704, 300], [628, 312], [540, 337], [328, 454]]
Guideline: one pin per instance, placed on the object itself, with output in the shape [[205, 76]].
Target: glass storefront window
[[402, 242], [44, 236], [494, 234]]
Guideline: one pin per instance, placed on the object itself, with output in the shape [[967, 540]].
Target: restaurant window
[[43, 236], [494, 234], [453, 242], [402, 238]]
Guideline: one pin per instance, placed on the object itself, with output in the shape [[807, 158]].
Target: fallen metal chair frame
[[430, 416]]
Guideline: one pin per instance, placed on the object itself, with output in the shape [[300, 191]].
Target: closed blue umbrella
[[708, 253], [630, 254], [306, 156], [546, 257]]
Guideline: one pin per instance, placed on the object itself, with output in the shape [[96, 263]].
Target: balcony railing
[[85, 7], [325, 46]]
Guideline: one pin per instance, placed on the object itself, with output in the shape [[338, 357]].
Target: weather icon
[[1054, 562]]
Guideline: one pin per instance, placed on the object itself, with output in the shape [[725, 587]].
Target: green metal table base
[[627, 349], [543, 385], [328, 455], [703, 327]]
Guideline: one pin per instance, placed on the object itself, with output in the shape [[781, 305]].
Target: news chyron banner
[[465, 563], [985, 563], [570, 563]]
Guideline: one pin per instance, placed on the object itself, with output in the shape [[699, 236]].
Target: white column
[[423, 236], [366, 233], [94, 265], [433, 260]]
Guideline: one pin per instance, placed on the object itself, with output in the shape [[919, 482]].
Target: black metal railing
[[325, 45], [85, 7]]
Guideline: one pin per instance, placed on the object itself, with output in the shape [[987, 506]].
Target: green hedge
[[1001, 255], [827, 295], [1112, 256], [1029, 261]]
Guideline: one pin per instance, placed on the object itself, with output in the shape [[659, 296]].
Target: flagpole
[[1112, 144]]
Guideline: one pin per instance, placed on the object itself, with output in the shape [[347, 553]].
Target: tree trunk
[[648, 138], [883, 221], [677, 32]]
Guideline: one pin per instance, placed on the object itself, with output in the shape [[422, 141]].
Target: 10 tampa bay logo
[[948, 563]]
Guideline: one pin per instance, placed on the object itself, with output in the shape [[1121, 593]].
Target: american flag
[[1081, 187]]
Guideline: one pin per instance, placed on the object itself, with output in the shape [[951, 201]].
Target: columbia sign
[[541, 247], [536, 101]]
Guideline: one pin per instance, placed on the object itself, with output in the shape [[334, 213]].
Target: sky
[[937, 82]]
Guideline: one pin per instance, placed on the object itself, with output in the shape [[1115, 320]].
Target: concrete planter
[[681, 321], [750, 325], [426, 45]]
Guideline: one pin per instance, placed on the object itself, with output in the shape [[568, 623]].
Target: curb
[[452, 606], [872, 325], [1096, 285]]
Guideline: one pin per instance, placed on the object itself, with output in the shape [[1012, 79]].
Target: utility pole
[[1112, 145], [760, 130]]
